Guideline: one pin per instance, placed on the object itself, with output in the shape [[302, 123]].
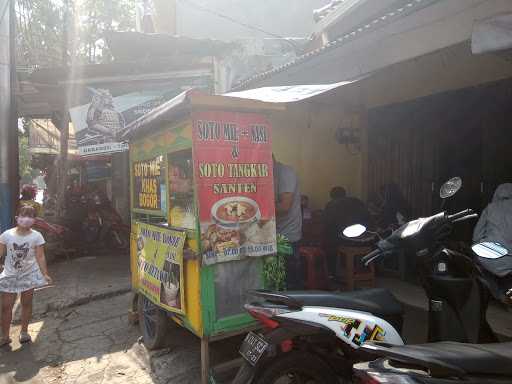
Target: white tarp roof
[[287, 94], [493, 34]]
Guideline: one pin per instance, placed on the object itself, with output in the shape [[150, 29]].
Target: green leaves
[[274, 267], [49, 30]]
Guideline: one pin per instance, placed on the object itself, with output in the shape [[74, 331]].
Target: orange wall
[[304, 138]]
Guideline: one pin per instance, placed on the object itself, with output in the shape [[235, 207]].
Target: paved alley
[[82, 335], [94, 343]]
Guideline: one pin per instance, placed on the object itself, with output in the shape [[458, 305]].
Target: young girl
[[24, 269]]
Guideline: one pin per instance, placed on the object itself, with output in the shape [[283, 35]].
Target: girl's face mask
[[25, 222]]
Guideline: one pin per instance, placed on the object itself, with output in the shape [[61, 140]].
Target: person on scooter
[[495, 225], [28, 195]]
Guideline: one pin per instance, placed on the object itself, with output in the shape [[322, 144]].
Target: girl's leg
[[8, 300], [26, 309]]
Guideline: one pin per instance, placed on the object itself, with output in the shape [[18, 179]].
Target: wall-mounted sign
[[147, 178], [100, 124], [233, 172]]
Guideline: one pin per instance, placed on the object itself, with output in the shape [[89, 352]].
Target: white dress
[[21, 270]]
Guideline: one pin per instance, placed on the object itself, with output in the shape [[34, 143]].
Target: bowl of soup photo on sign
[[233, 211]]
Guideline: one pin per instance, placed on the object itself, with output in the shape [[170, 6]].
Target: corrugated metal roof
[[366, 27]]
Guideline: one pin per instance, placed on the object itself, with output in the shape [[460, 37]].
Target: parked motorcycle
[[103, 226], [436, 363], [441, 362], [316, 337], [57, 237]]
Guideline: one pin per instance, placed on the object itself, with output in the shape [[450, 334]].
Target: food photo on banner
[[160, 263], [99, 124], [233, 172]]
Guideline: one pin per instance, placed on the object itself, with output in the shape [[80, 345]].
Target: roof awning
[[259, 99], [287, 94]]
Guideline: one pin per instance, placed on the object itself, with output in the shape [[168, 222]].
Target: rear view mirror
[[355, 230], [489, 250], [450, 188]]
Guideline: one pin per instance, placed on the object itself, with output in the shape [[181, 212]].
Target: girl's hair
[[27, 211]]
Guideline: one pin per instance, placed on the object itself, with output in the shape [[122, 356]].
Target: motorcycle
[[103, 224], [57, 236], [436, 363], [441, 362], [316, 337]]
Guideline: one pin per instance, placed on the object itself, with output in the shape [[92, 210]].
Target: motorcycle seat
[[376, 301], [444, 358]]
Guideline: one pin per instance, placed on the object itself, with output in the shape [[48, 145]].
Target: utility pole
[[63, 121], [9, 176], [165, 16]]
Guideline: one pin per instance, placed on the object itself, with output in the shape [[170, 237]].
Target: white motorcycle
[[315, 337]]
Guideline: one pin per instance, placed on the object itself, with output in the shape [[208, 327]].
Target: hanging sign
[[233, 173], [147, 179], [99, 149], [160, 263]]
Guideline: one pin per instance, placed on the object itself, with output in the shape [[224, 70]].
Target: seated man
[[340, 212]]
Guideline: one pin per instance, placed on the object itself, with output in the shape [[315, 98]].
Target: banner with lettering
[[147, 181], [235, 189], [160, 263]]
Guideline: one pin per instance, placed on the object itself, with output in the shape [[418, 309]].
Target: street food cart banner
[[160, 263], [235, 190], [147, 178]]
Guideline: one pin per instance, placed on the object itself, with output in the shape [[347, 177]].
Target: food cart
[[203, 219]]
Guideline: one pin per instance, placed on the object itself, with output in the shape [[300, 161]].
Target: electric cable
[[235, 21]]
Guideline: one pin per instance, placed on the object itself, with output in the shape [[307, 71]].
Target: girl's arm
[[41, 260]]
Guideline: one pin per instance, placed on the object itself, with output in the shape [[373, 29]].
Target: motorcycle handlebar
[[466, 214], [468, 217], [371, 256], [460, 215]]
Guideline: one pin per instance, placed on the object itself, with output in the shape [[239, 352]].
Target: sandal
[[25, 338], [4, 342]]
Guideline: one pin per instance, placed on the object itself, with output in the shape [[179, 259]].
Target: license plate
[[253, 348]]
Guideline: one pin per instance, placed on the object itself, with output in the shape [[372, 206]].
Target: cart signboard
[[233, 173], [147, 180], [160, 265]]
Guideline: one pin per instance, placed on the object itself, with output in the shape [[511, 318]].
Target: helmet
[[28, 192]]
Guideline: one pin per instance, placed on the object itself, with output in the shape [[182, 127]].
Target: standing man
[[289, 220]]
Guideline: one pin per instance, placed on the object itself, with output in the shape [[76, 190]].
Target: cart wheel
[[153, 323]]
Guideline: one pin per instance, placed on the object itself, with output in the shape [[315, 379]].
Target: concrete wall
[[423, 54], [448, 69], [304, 137]]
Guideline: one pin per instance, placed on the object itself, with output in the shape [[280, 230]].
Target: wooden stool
[[353, 273]]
